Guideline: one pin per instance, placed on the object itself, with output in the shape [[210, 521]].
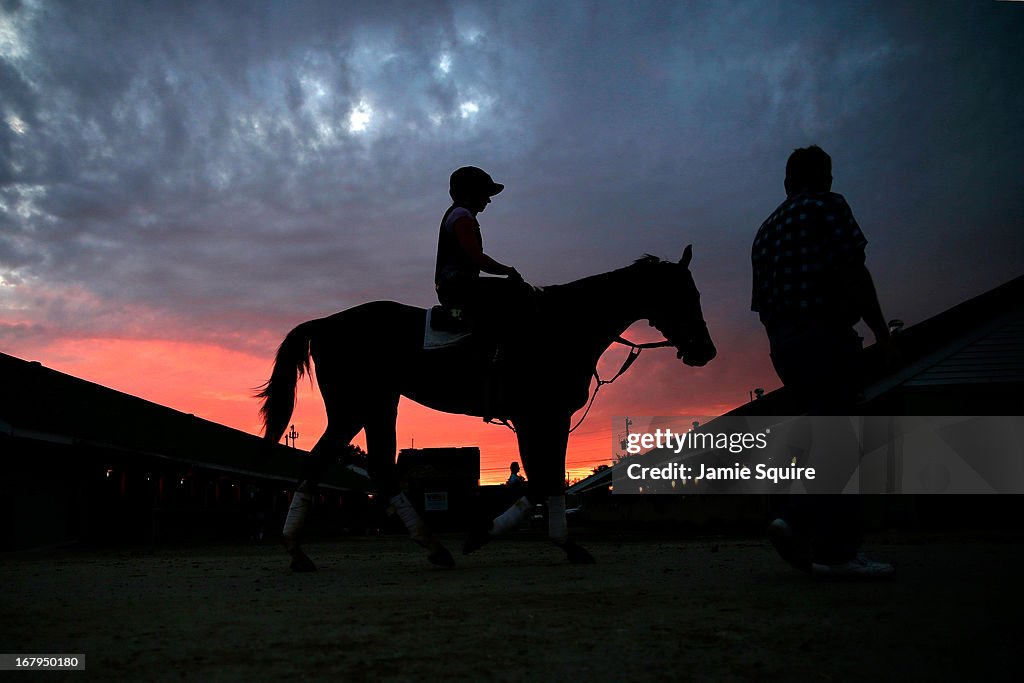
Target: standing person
[[810, 287], [514, 478], [461, 257]]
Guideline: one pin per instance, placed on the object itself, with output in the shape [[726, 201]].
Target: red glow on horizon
[[219, 385]]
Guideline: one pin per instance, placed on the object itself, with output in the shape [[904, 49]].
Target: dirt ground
[[706, 609]]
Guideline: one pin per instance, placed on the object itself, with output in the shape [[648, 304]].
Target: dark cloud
[[217, 167]]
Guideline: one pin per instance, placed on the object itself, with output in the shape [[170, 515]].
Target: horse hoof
[[477, 539], [301, 563], [576, 554], [441, 557]]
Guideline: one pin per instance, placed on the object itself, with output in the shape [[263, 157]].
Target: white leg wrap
[[410, 518], [557, 529], [297, 511], [510, 519]]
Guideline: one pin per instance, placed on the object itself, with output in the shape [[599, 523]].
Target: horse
[[368, 356]]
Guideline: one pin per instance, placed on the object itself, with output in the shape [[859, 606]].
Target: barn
[[83, 463]]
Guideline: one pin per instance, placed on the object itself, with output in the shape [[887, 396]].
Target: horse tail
[[278, 394]]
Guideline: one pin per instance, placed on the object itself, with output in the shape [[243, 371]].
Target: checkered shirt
[[795, 253]]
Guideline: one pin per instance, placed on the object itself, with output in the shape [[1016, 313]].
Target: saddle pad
[[439, 339]]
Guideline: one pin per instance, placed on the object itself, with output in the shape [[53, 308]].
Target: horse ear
[[687, 256]]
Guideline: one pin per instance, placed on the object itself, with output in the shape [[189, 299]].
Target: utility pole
[[293, 435], [625, 442]]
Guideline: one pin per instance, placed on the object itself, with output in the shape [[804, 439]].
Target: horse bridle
[[634, 353]]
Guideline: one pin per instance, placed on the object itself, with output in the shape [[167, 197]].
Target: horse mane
[[646, 260], [556, 295]]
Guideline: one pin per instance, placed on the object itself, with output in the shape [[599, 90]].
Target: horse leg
[[507, 521], [511, 518], [543, 449], [313, 468], [542, 445], [381, 445]]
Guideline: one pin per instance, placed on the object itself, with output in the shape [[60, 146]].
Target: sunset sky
[[182, 183]]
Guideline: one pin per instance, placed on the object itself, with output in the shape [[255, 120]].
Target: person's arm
[[856, 280], [467, 232], [852, 273]]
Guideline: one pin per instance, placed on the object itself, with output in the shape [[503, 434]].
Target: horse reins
[[634, 353]]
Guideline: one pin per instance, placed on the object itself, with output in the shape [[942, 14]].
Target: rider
[[461, 257]]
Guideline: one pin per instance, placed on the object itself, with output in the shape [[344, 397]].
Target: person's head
[[514, 467], [472, 188], [809, 169]]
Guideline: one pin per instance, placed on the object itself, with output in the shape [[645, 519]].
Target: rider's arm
[[467, 232]]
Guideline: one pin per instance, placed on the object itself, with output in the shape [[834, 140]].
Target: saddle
[[450, 327], [449, 319], [449, 323], [445, 327]]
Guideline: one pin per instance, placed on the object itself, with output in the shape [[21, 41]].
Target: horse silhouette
[[368, 356]]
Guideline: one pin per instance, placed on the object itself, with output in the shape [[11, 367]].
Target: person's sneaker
[[859, 567], [791, 546]]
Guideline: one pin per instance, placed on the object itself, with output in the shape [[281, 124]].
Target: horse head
[[674, 310]]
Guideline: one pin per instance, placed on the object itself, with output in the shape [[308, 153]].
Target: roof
[[41, 404], [597, 479], [979, 341]]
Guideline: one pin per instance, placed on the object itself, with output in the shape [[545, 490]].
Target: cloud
[[217, 172]]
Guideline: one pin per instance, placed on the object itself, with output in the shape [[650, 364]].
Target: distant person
[[810, 287], [514, 478], [490, 301]]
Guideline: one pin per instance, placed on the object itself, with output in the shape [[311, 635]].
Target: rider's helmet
[[470, 180]]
